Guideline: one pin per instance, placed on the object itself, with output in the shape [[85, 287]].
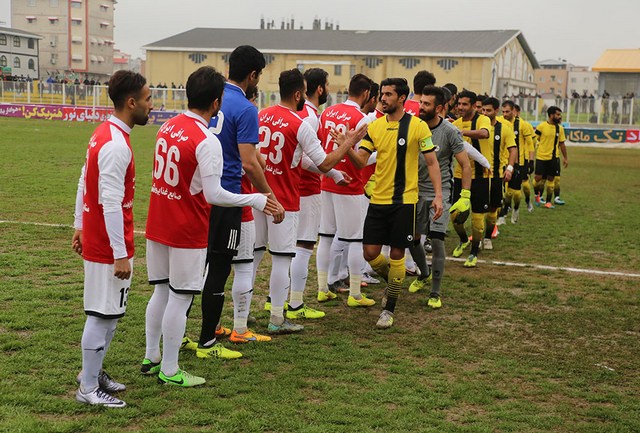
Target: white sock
[[94, 340], [174, 323], [338, 249], [356, 263], [299, 274], [257, 258], [153, 321], [343, 270], [323, 257], [279, 284], [242, 292]]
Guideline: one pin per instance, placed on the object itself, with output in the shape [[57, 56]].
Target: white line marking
[[488, 262]]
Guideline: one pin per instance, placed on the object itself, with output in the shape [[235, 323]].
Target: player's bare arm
[[345, 142], [465, 165], [565, 158]]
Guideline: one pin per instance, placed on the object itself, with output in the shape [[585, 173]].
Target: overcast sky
[[576, 30]]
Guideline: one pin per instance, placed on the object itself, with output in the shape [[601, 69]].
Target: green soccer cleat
[[326, 296], [434, 302], [304, 312], [471, 262], [285, 328], [362, 302], [386, 320], [457, 251], [419, 284], [149, 367], [217, 351], [181, 378], [188, 344]]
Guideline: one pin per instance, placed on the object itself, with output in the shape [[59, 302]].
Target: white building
[[19, 52]]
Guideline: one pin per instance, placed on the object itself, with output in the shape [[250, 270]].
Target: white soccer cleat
[[99, 397], [487, 244], [501, 221], [514, 216]]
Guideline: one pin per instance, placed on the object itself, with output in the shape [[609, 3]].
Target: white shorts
[[105, 296], [281, 238], [181, 268], [247, 243], [309, 218], [343, 216]]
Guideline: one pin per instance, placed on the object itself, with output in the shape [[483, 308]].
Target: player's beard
[[323, 98], [141, 119], [427, 115], [557, 121], [300, 105]]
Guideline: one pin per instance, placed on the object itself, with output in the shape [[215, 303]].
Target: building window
[[54, 3], [104, 7], [76, 3], [31, 3], [31, 43], [372, 62], [16, 62], [16, 41], [542, 79], [3, 61], [553, 78], [53, 20], [31, 19], [3, 39], [447, 64], [32, 65], [409, 62], [337, 70], [573, 79], [352, 70], [76, 21], [104, 25]]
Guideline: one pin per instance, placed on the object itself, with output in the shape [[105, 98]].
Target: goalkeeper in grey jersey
[[449, 144]]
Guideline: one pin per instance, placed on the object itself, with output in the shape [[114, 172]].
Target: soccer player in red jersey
[[343, 211], [420, 80], [284, 137], [186, 181], [104, 232]]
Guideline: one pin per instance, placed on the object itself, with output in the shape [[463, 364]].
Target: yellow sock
[[516, 194], [396, 278], [381, 266]]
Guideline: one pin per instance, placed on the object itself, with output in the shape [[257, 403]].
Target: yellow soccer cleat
[[362, 302], [326, 296], [217, 351]]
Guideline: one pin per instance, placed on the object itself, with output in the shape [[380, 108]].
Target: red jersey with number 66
[[186, 151], [284, 136], [340, 117]]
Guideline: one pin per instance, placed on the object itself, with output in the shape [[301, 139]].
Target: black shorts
[[550, 168], [224, 230], [480, 195], [517, 177], [390, 224], [497, 192]]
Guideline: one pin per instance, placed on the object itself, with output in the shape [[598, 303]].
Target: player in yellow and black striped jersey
[[399, 139], [503, 164], [530, 161], [475, 129], [551, 140], [524, 148]]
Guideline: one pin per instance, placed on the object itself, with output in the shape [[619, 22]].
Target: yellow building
[[496, 62]]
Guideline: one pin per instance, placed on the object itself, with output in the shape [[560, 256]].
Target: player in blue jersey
[[236, 126]]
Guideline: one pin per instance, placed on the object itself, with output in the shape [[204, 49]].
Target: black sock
[[213, 295]]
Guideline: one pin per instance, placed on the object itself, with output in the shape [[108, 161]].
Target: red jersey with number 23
[[283, 136]]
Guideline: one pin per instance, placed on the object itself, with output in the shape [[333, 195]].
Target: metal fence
[[576, 111]]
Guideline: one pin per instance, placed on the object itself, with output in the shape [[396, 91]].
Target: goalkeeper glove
[[369, 186], [461, 209], [530, 167]]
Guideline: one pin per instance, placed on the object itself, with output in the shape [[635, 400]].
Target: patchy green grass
[[513, 350]]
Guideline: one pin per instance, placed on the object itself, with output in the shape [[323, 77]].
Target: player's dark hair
[[468, 94], [290, 82], [125, 84], [375, 90], [509, 104], [204, 86], [359, 84], [447, 94], [251, 93], [452, 88], [243, 61], [400, 84], [315, 77], [422, 79], [517, 107], [436, 92], [491, 101], [553, 110]]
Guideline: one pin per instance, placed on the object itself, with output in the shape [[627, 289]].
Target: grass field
[[514, 349]]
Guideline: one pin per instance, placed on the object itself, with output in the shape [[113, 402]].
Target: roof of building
[[472, 43], [17, 32], [618, 60]]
